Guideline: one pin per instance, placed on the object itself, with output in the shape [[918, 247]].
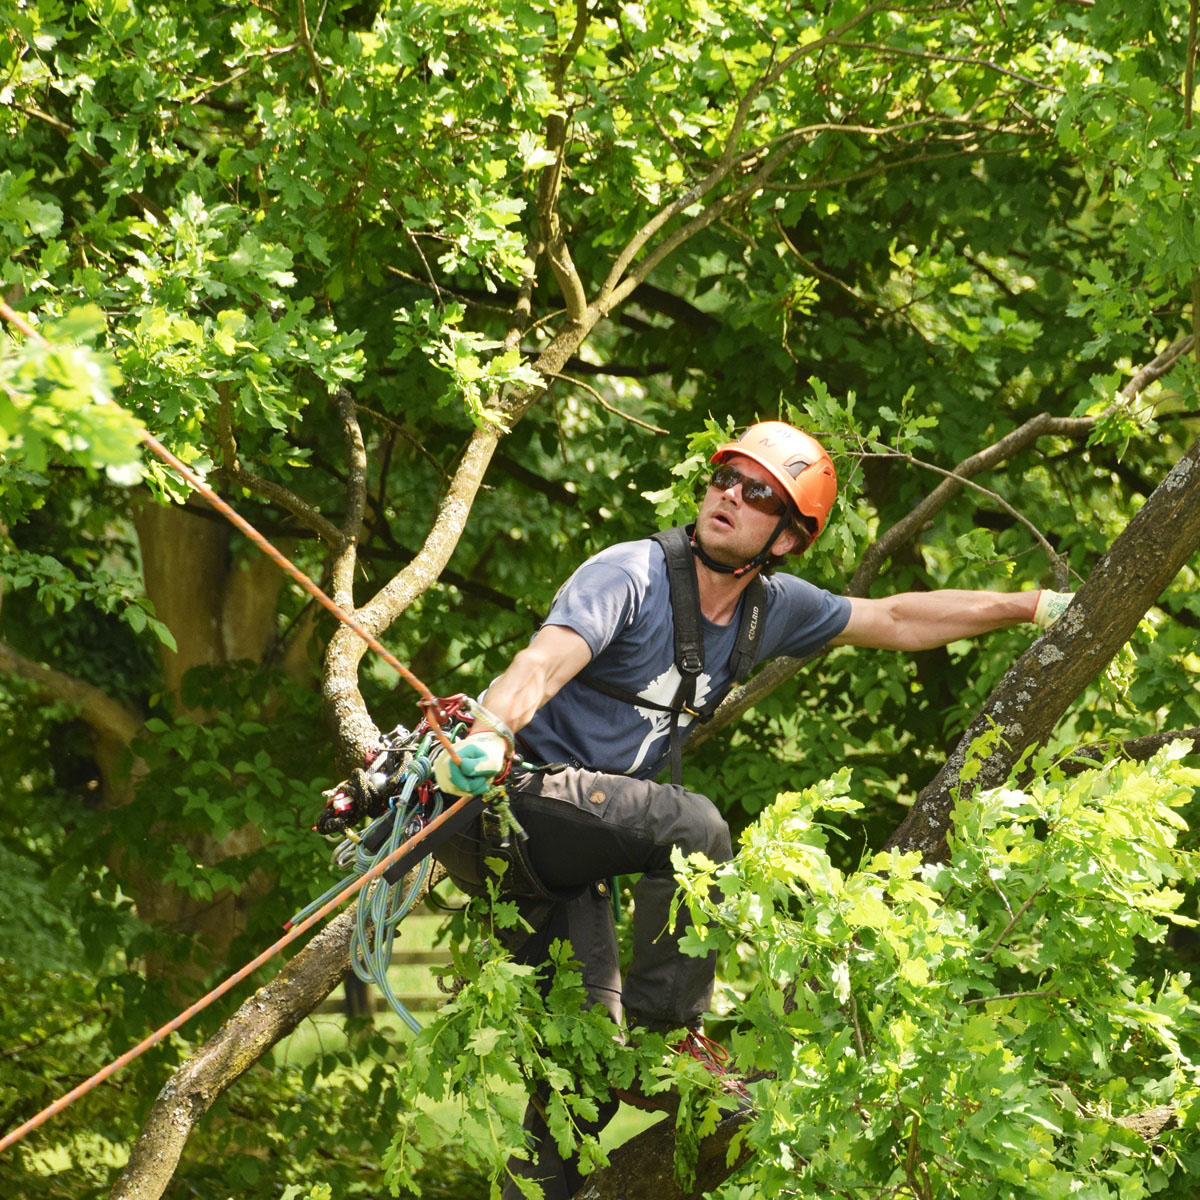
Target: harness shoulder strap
[[689, 637], [754, 611], [685, 601]]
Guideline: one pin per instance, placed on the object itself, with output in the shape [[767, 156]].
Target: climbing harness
[[677, 545], [394, 788]]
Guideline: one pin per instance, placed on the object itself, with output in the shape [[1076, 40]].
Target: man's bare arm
[[922, 620], [556, 655]]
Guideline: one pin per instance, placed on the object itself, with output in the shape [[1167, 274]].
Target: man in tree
[[599, 695]]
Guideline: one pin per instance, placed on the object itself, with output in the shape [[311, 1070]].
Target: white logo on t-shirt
[[662, 691]]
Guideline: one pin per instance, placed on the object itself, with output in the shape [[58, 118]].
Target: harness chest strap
[[689, 641]]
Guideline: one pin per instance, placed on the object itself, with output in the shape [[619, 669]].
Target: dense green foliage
[[911, 227]]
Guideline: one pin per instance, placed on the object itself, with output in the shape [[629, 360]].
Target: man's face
[[732, 531]]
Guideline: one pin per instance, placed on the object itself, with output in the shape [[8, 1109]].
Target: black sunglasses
[[759, 495]]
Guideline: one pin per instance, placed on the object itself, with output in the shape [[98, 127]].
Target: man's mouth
[[723, 519]]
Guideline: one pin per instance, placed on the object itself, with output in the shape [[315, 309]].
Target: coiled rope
[[385, 904]]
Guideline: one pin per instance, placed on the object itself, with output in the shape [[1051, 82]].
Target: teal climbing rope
[[384, 903]]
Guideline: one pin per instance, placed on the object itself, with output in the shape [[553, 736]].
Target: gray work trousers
[[582, 828]]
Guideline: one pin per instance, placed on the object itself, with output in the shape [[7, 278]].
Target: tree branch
[[550, 222], [356, 731], [904, 530], [108, 720], [612, 408], [270, 1014], [232, 470], [346, 561], [1028, 702], [550, 184], [1058, 566], [1139, 749], [306, 42], [724, 166]]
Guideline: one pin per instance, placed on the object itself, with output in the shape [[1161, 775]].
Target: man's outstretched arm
[[555, 656], [922, 620]]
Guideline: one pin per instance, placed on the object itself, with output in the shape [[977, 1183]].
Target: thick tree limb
[[266, 1017], [1028, 702], [356, 731], [1139, 749], [109, 720]]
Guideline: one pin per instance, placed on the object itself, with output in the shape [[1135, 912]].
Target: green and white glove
[[1050, 606], [484, 755]]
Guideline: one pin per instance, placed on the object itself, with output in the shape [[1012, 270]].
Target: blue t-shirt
[[619, 602]]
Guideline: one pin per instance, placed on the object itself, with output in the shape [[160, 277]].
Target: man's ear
[[790, 541]]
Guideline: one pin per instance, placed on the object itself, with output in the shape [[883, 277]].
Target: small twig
[[306, 42], [1016, 917], [1013, 996], [954, 58], [462, 297], [906, 528], [587, 387], [22, 1047], [407, 435], [1059, 567], [1003, 898], [822, 274], [858, 1037], [416, 245]]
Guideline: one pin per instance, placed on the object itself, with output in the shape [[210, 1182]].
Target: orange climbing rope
[[302, 927], [429, 705]]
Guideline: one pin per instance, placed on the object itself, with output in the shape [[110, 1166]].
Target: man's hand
[[484, 755], [1050, 606]]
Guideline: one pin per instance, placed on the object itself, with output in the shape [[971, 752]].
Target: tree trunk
[[220, 608], [1029, 701]]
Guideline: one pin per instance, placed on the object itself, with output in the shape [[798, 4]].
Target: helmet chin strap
[[757, 561]]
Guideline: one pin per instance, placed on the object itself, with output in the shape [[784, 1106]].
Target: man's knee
[[707, 831]]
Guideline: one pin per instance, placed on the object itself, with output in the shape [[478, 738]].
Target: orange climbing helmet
[[797, 462]]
